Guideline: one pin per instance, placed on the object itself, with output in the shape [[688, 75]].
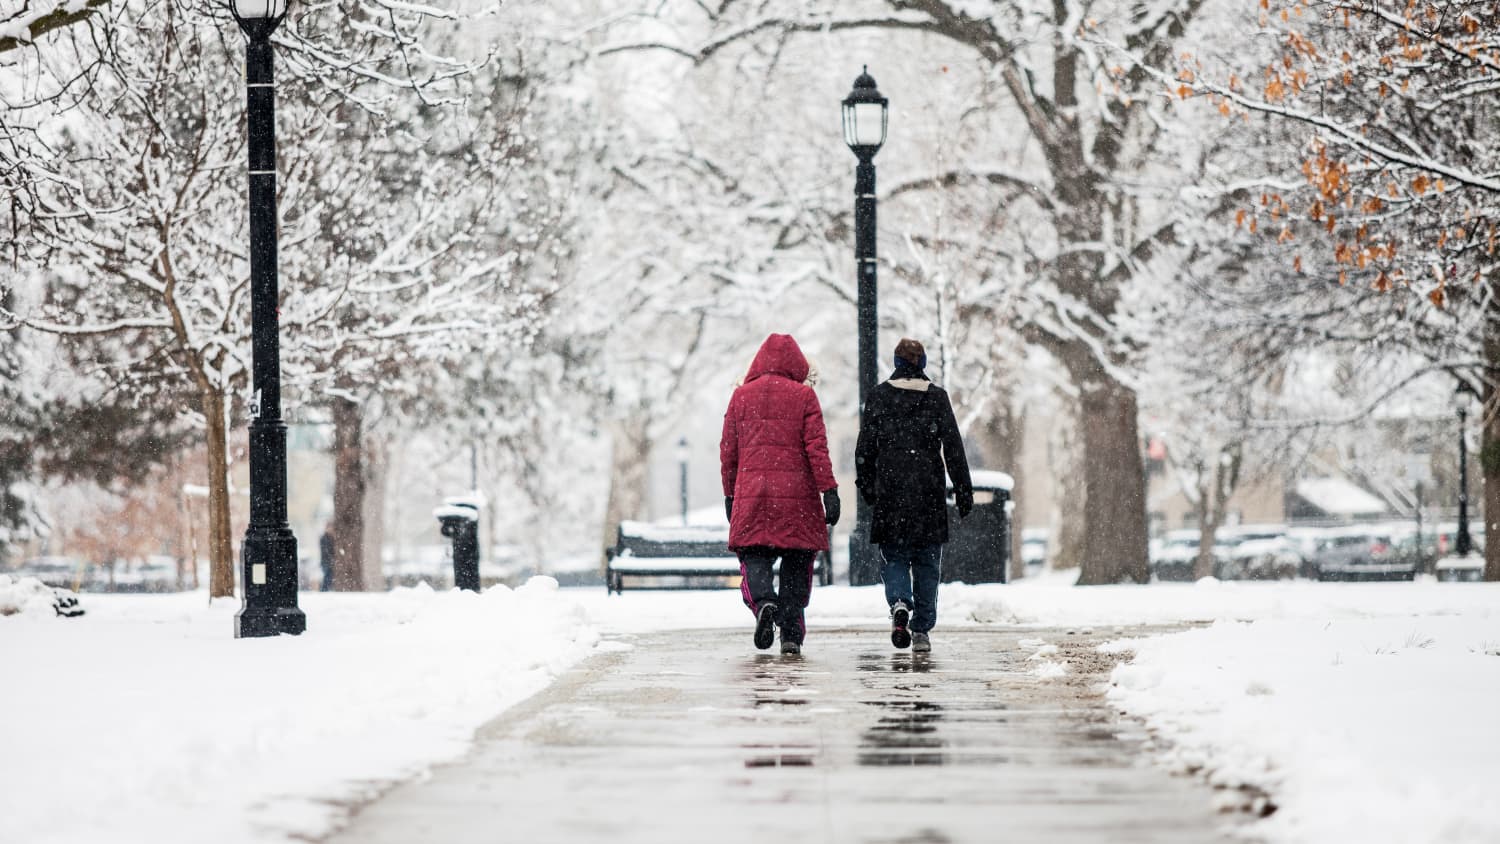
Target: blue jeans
[[908, 566]]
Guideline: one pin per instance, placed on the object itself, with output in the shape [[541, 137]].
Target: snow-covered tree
[[1388, 229], [134, 220]]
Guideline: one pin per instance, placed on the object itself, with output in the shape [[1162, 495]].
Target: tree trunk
[[1489, 445], [377, 464], [1208, 528], [1489, 455], [184, 526], [1115, 539], [1069, 494], [220, 545], [348, 496], [627, 474]]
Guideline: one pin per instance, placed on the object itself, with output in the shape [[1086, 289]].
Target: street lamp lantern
[[268, 566], [865, 113], [258, 17], [1463, 543]]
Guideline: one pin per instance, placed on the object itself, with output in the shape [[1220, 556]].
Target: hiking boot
[[920, 644], [900, 616], [790, 648], [765, 626]]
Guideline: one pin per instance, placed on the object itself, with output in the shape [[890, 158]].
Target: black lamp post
[[1463, 543], [682, 478], [865, 112], [269, 556]]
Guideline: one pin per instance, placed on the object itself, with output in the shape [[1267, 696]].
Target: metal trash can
[[459, 518], [978, 549]]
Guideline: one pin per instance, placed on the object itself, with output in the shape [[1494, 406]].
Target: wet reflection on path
[[700, 738]]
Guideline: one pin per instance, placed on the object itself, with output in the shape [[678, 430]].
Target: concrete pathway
[[697, 737]]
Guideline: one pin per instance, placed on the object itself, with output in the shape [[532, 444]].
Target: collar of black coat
[[908, 377], [906, 371]]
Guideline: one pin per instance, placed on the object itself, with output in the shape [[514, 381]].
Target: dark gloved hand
[[866, 495], [965, 504], [729, 507], [831, 506]]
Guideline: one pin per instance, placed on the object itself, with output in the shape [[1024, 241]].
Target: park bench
[[656, 556]]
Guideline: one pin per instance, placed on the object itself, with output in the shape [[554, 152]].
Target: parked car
[[61, 572], [1174, 554], [1368, 552], [1255, 552], [1445, 537]]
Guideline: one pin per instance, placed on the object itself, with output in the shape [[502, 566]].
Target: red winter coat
[[774, 453]]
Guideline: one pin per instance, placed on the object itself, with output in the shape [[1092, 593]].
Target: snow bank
[[1371, 730], [29, 596], [1052, 601], [169, 730]]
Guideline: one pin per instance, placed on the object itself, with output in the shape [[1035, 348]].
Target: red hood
[[779, 355]]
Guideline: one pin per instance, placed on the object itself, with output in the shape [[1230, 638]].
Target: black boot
[[765, 626], [900, 616]]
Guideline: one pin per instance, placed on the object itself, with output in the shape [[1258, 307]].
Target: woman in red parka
[[774, 461]]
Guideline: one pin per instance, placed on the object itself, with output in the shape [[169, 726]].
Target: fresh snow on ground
[[1360, 729], [1354, 705], [144, 720]]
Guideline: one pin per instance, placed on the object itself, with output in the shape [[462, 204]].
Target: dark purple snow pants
[[757, 587]]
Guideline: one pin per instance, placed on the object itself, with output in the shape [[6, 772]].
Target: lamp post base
[[251, 622], [268, 578]]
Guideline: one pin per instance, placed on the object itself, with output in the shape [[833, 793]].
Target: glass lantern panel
[[256, 9], [869, 124]]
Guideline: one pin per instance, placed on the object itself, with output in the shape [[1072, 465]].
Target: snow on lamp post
[[682, 478], [269, 555], [865, 113], [1463, 543]]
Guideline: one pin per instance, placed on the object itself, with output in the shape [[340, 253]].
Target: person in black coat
[[325, 558], [907, 437]]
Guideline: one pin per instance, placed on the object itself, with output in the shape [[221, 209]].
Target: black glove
[[729, 507], [831, 506], [867, 494], [965, 502]]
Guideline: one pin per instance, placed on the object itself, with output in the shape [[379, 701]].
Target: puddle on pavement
[[899, 662], [906, 734]]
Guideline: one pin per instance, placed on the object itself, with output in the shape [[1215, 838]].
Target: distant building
[[1332, 498]]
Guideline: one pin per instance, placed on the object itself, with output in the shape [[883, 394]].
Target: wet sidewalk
[[697, 737]]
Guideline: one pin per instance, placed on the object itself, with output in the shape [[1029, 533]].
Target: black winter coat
[[908, 434]]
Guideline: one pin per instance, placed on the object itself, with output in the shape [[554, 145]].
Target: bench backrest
[[640, 540]]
